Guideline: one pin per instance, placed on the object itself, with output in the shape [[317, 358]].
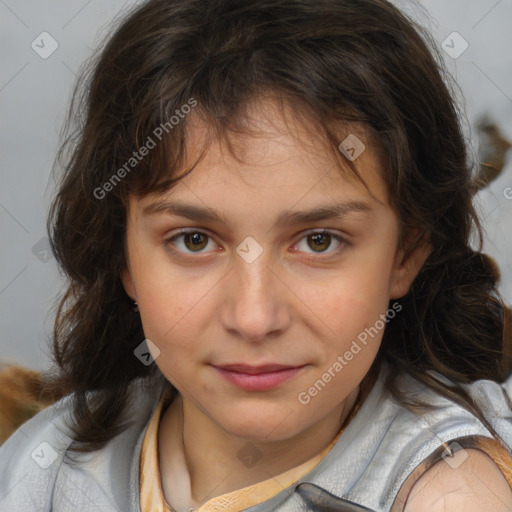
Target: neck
[[219, 462]]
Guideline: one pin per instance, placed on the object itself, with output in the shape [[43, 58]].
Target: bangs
[[170, 155]]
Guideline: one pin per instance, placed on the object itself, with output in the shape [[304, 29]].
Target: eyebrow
[[204, 214]]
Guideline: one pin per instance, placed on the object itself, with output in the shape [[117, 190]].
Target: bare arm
[[472, 482]]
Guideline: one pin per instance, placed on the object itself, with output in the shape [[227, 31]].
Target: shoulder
[[469, 481], [30, 459], [39, 471], [419, 439]]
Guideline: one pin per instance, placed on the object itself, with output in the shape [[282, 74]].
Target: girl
[[273, 304]]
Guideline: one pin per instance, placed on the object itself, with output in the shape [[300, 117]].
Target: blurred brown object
[[493, 150], [22, 395]]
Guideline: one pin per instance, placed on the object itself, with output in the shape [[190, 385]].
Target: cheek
[[168, 321], [350, 305], [173, 325], [176, 311], [169, 297], [351, 301]]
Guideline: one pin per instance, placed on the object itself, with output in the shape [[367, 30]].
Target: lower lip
[[261, 381]]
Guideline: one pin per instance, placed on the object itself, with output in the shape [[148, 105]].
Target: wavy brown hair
[[337, 62]]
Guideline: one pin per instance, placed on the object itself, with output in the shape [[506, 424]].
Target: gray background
[[35, 91]]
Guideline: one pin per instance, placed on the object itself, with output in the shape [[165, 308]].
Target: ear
[[407, 267], [128, 284]]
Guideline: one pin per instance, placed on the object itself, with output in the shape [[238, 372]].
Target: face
[[257, 277]]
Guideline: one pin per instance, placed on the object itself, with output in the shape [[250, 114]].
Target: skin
[[296, 304], [472, 483]]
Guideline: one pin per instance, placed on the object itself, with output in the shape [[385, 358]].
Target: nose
[[255, 303]]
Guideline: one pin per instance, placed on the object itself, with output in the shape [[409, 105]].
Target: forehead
[[276, 156], [274, 141]]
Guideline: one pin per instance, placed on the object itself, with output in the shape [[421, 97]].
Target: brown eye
[[319, 242], [195, 241], [190, 242]]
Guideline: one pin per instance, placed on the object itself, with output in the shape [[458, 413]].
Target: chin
[[275, 423]]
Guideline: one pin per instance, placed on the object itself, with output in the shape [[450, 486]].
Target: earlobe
[[407, 269], [128, 284]]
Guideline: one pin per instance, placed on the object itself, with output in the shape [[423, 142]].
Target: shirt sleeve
[[30, 461]]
